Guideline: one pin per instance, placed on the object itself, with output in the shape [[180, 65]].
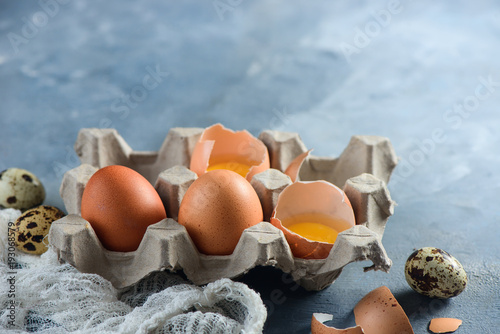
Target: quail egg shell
[[435, 273], [20, 189], [33, 226]]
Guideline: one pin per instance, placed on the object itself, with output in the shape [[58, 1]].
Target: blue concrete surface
[[425, 74]]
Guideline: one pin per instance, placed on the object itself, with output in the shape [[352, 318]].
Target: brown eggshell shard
[[217, 208], [293, 169], [380, 313], [218, 141], [444, 325], [317, 326], [120, 204], [201, 156], [311, 196]]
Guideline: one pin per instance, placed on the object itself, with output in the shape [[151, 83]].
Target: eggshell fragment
[[311, 197], [317, 326], [380, 313], [293, 169], [215, 210], [444, 325], [218, 142], [120, 204]]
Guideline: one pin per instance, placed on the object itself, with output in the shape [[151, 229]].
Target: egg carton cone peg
[[268, 185], [171, 185], [167, 245], [283, 147], [72, 187], [104, 147], [370, 201], [364, 154]]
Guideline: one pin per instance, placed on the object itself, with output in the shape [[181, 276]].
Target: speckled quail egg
[[33, 226], [435, 273], [20, 189]]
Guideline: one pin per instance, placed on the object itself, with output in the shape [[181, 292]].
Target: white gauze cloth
[[38, 294]]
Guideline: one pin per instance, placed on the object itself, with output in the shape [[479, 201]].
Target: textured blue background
[[412, 71]]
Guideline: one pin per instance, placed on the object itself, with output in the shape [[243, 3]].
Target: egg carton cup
[[363, 170]]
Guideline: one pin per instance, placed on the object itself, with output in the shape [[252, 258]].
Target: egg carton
[[363, 170]]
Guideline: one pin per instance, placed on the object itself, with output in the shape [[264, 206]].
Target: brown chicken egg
[[120, 204], [216, 209]]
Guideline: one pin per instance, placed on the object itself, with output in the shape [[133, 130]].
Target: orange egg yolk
[[231, 164], [316, 226]]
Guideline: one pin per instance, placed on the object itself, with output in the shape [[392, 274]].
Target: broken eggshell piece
[[293, 169], [219, 147], [444, 325], [318, 326], [380, 313], [305, 202], [376, 313]]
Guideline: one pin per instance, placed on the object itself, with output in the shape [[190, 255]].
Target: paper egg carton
[[363, 169]]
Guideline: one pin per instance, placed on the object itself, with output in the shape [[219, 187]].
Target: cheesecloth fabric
[[38, 294]]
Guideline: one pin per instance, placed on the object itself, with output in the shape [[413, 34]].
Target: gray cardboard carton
[[362, 170]]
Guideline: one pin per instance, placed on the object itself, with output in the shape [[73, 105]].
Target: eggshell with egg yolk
[[306, 197], [217, 141]]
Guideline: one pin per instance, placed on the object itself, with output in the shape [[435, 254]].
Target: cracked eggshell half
[[321, 205], [380, 313], [219, 147]]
